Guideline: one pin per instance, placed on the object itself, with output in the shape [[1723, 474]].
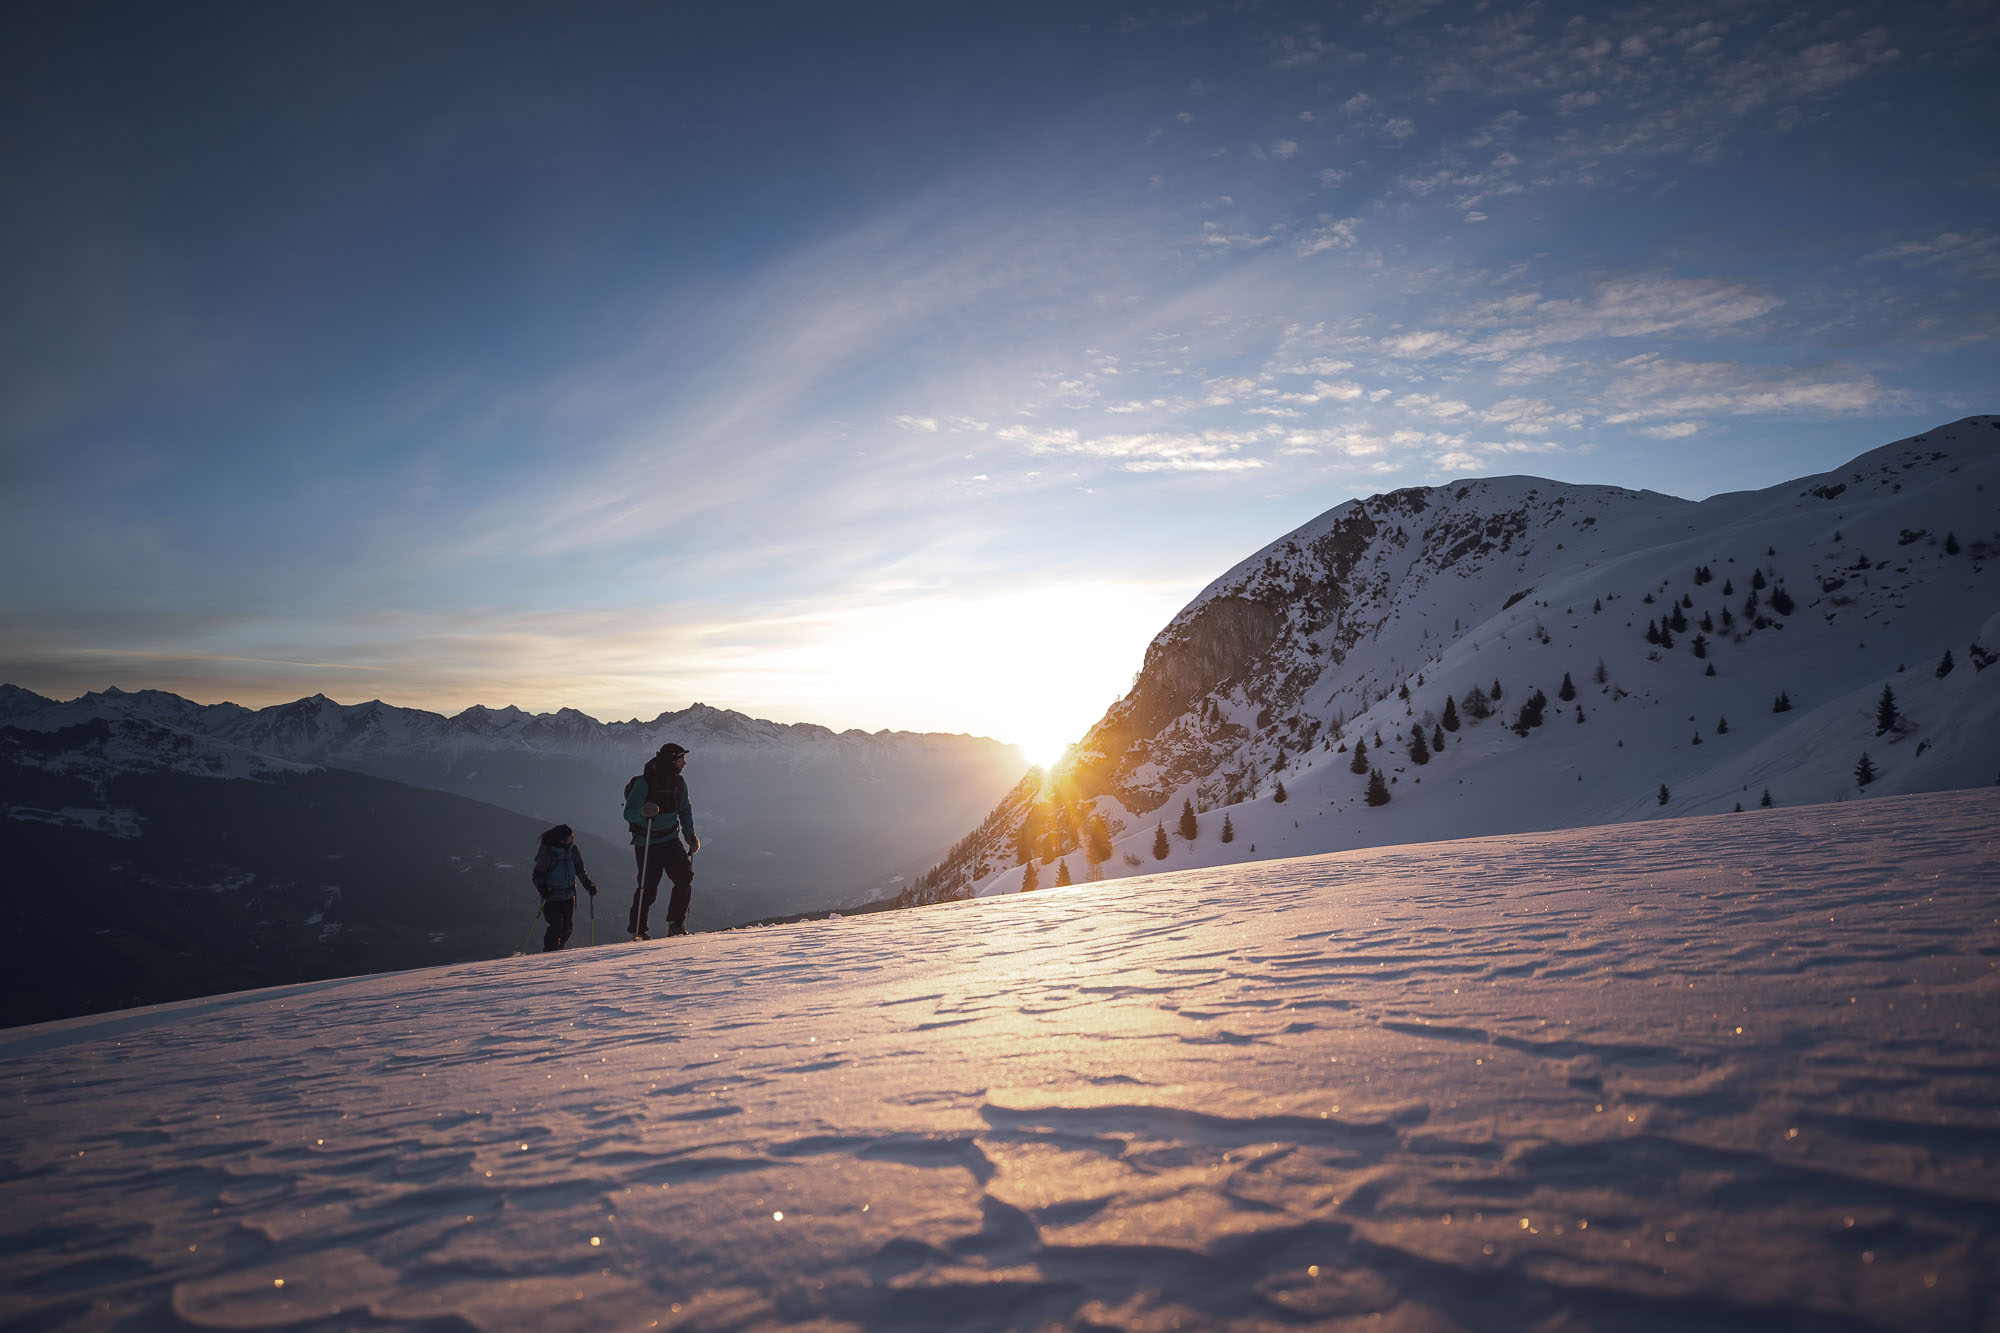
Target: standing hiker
[[558, 870], [658, 813]]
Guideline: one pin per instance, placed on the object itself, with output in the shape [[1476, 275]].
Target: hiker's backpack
[[675, 786]]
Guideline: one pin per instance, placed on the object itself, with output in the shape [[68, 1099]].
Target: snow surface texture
[[1727, 1072]]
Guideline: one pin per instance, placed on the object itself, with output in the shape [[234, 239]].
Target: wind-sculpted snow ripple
[[1589, 1079]]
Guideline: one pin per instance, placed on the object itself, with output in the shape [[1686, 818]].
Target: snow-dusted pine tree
[[1886, 714]]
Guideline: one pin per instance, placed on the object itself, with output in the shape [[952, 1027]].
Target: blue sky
[[899, 365]]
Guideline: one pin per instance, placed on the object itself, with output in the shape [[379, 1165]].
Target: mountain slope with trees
[[1514, 654]]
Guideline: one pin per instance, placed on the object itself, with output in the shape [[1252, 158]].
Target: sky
[[904, 365]]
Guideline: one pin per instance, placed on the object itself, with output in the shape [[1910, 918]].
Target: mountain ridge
[[1382, 608], [794, 816]]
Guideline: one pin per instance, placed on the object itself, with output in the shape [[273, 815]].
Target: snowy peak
[[103, 748], [1569, 654]]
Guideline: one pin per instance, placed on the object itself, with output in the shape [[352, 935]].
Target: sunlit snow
[[1736, 1071]]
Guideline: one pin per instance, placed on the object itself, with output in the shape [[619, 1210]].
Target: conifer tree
[[1710, 671], [1096, 839], [1228, 830], [1602, 675], [1781, 601], [1728, 588], [1756, 579], [1378, 790], [1450, 720], [1437, 738], [1278, 793], [1420, 750], [1700, 645], [1885, 711], [1765, 800], [1652, 632], [1567, 691], [1864, 771], [1062, 874], [1496, 691], [1666, 637], [1782, 704], [1722, 726], [1189, 826], [1950, 544], [1678, 621], [1031, 878], [1160, 846], [1477, 706], [1944, 665], [1359, 764], [1665, 795]]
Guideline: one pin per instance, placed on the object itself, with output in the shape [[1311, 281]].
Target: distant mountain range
[[1641, 656], [164, 848]]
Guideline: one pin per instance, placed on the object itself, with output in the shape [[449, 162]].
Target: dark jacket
[[663, 787], [559, 867]]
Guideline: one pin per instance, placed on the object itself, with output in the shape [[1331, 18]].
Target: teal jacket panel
[[676, 817], [558, 870]]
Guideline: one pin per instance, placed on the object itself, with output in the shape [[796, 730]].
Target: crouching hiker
[[658, 813], [558, 870]]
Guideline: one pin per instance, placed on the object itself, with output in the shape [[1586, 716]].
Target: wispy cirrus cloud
[[1652, 386], [1971, 255], [1146, 451]]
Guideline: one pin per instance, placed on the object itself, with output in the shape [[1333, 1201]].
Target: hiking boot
[[676, 928], [638, 935]]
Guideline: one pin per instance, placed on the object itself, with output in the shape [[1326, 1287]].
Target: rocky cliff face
[[1225, 686]]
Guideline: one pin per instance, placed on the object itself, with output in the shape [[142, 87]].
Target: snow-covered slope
[[792, 817], [1733, 1072], [1362, 625]]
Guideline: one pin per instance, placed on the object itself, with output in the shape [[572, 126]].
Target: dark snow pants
[[560, 913], [672, 860]]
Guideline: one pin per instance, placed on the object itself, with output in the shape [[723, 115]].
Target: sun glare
[[946, 663], [1045, 749]]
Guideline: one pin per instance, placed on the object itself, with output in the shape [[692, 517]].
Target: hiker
[[558, 870], [657, 812]]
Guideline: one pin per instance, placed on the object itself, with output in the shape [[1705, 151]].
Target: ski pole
[[645, 863], [593, 919], [531, 932]]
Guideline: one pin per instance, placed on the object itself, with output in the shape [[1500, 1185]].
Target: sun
[[1045, 748]]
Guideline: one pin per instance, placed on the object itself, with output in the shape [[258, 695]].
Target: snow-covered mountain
[[1641, 656], [792, 817]]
